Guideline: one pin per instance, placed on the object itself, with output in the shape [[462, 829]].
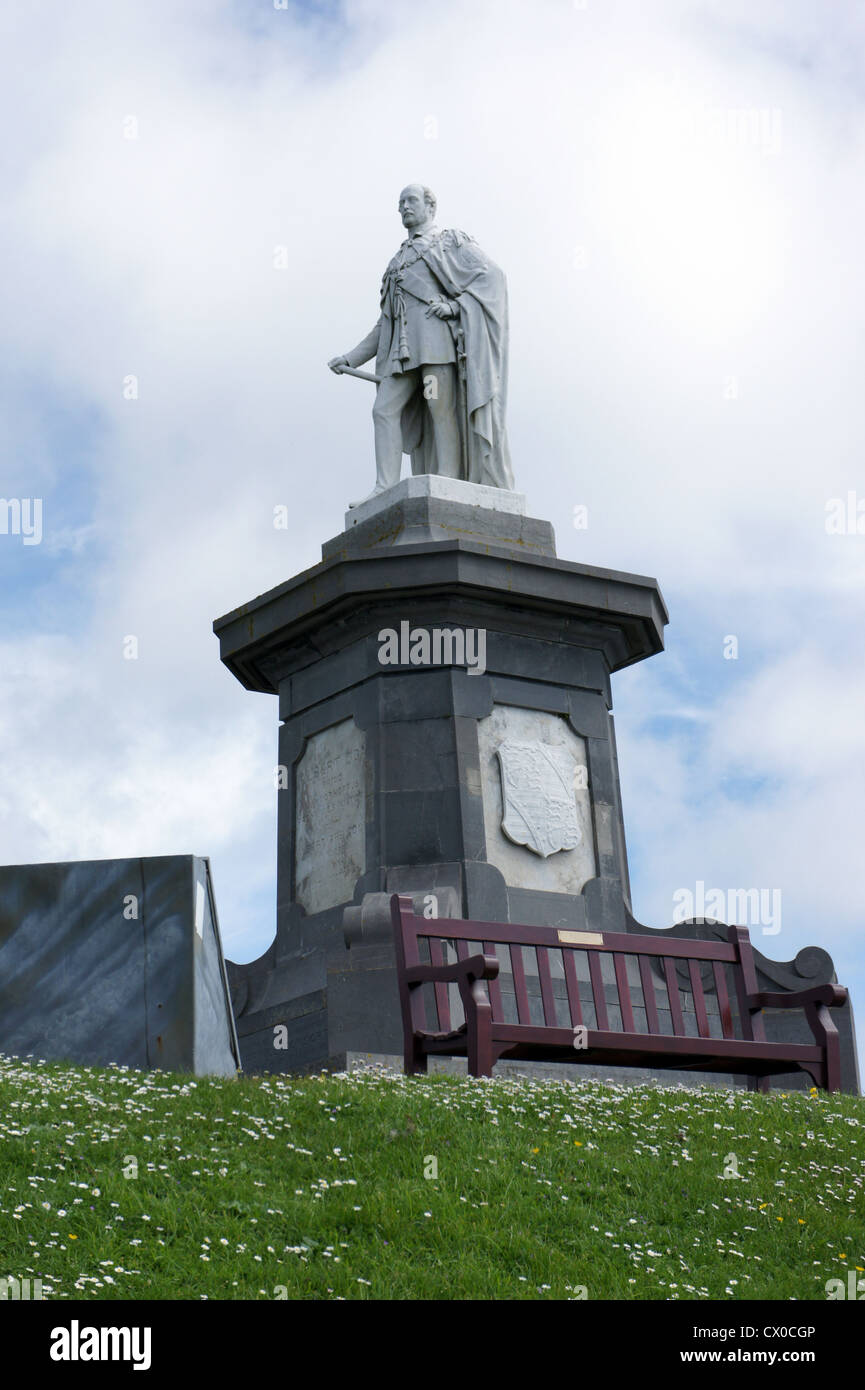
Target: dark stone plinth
[[405, 740], [115, 960], [284, 635], [388, 779]]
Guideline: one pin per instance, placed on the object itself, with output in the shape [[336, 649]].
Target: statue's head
[[417, 204]]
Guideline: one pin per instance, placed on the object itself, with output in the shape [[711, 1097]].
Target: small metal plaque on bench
[[581, 938]]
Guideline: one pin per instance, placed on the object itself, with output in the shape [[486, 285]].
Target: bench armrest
[[831, 995], [476, 967]]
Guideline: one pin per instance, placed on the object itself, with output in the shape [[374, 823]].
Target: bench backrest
[[610, 982]]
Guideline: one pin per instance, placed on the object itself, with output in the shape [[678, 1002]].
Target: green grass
[[146, 1185]]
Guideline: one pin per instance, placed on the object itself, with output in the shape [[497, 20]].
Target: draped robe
[[478, 287]]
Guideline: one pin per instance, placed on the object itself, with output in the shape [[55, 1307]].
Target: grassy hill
[[120, 1184]]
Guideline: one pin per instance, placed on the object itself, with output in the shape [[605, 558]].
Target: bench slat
[[673, 997], [443, 1010], [621, 969], [521, 994], [699, 1001], [652, 1021], [546, 979], [598, 995], [724, 1010], [463, 949], [569, 958]]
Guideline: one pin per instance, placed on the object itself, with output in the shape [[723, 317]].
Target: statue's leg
[[392, 395], [440, 389]]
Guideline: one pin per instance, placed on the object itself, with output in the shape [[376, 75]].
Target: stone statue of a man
[[441, 355]]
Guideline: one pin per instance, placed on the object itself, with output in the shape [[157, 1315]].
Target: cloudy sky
[[199, 200]]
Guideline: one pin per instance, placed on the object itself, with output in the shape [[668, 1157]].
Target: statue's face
[[412, 208]]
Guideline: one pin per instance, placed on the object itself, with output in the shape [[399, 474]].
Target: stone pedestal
[[446, 732], [444, 698]]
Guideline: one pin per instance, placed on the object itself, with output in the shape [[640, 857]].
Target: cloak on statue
[[478, 286]]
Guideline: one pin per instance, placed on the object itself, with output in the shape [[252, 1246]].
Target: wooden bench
[[612, 998]]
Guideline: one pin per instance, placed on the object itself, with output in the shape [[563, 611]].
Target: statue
[[441, 356]]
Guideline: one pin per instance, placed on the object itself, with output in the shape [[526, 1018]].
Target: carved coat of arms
[[538, 796]]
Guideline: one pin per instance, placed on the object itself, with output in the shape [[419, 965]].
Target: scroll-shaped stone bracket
[[369, 924], [811, 966]]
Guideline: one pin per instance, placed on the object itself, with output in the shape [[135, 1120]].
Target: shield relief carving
[[538, 796]]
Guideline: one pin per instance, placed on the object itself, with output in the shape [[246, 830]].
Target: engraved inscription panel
[[330, 828]]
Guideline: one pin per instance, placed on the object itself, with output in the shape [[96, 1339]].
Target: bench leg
[[414, 1059], [479, 1037], [480, 1057], [759, 1083], [833, 1049], [828, 1073]]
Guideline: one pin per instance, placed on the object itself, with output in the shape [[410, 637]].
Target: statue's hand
[[336, 364], [443, 309]]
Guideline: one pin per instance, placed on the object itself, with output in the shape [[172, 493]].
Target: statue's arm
[[366, 349]]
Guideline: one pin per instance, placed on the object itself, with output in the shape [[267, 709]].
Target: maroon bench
[[677, 1004]]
